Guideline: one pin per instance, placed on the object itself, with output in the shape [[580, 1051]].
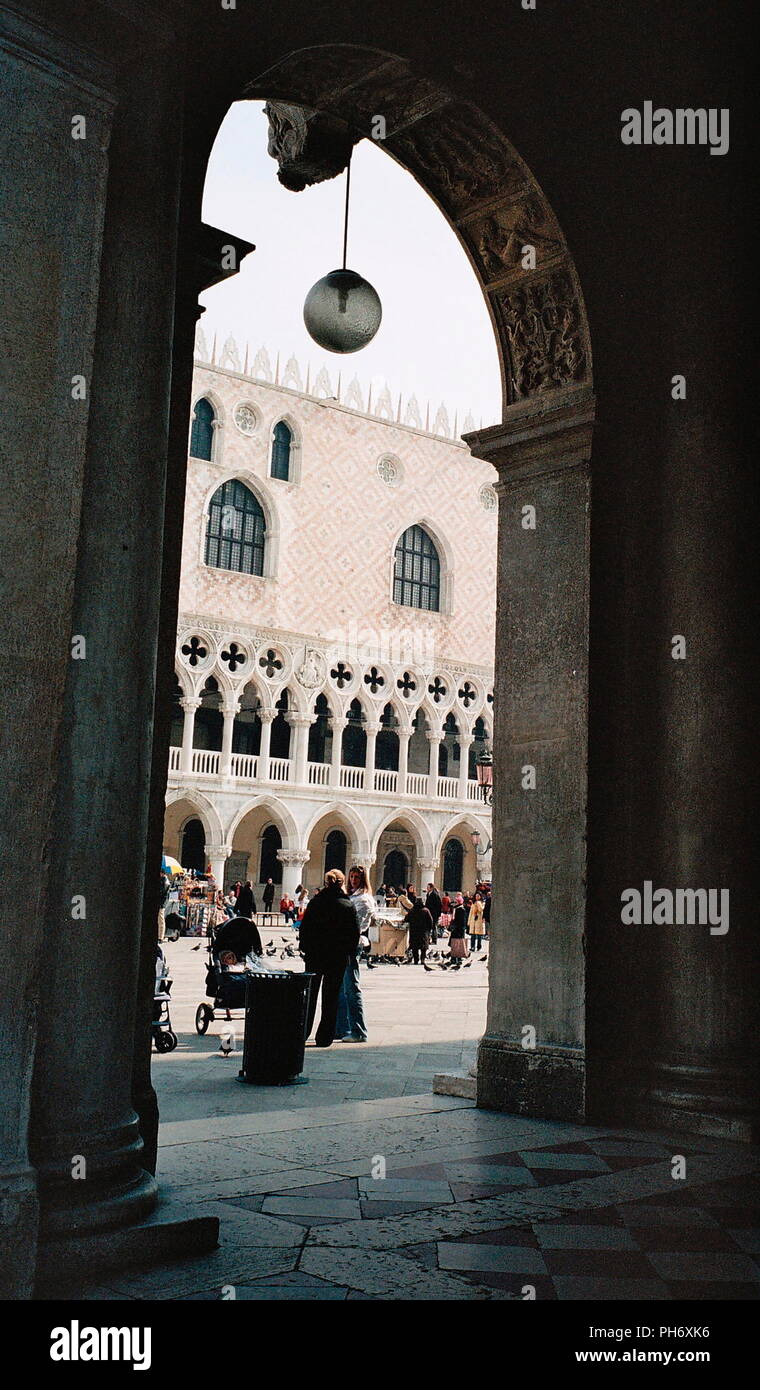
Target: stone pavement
[[362, 1184]]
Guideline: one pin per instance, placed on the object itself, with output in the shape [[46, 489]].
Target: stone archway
[[541, 450], [126, 231], [320, 102]]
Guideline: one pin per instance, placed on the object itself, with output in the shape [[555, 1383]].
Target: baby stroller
[[228, 946], [163, 1035]]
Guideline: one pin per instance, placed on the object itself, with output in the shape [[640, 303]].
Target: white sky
[[435, 340]]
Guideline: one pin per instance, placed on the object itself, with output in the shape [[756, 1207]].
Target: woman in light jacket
[[476, 922], [350, 1025]]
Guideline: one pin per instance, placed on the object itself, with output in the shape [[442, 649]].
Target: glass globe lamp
[[342, 312]]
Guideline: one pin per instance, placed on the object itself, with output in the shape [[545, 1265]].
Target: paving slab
[[311, 1208], [505, 1259], [568, 1237]]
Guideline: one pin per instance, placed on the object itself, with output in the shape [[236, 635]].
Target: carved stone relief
[[545, 337], [394, 93], [460, 157], [498, 236], [317, 78]]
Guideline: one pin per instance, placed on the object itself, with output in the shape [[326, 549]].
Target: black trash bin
[[276, 1007]]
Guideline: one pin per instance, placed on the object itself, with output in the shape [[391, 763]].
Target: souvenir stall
[[391, 931]]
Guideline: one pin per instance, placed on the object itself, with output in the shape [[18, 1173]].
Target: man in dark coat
[[329, 934], [246, 903], [420, 925], [268, 895], [434, 906]]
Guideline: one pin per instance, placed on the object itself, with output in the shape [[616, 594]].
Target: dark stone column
[[50, 240], [702, 1070], [93, 1174], [203, 260], [537, 967]]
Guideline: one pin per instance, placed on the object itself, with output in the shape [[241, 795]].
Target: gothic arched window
[[453, 865], [282, 439], [271, 866], [236, 530], [193, 850], [354, 744], [336, 846], [417, 571], [202, 432]]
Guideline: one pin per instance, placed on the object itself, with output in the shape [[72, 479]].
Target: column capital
[[267, 716], [299, 721], [218, 851], [373, 729], [231, 707], [338, 723], [188, 702], [434, 735], [547, 434], [428, 866], [294, 856]]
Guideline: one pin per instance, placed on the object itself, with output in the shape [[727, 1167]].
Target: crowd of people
[[336, 928]]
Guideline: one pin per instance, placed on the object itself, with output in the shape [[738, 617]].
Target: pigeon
[[196, 948], [429, 968], [227, 1042]]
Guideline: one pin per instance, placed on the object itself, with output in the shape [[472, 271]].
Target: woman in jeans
[[350, 1025]]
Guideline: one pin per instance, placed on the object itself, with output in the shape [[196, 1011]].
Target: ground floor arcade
[[296, 839]]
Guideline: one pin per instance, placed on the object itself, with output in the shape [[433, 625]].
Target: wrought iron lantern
[[484, 767], [342, 311]]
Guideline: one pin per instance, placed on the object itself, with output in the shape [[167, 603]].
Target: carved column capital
[[546, 434], [293, 856], [300, 721]]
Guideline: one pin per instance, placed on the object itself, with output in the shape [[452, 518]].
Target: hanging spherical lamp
[[342, 312]]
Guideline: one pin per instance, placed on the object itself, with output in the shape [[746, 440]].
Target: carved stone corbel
[[308, 145]]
